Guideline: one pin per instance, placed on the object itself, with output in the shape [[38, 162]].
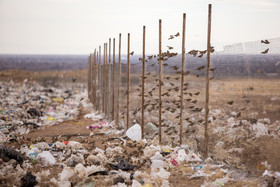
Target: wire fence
[[174, 95]]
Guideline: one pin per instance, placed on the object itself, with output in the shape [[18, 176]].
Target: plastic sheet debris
[[80, 170], [50, 118], [75, 145], [260, 129], [58, 99], [157, 156], [46, 158], [157, 161], [199, 174], [65, 142], [75, 159], [151, 128], [7, 154], [174, 162], [34, 112], [157, 164], [118, 180], [88, 182], [221, 181], [114, 151], [41, 145], [134, 132], [66, 173], [196, 168], [102, 173], [28, 180], [93, 127], [122, 164], [93, 116], [270, 178]]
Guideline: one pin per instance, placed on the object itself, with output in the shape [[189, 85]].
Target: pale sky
[[80, 26]]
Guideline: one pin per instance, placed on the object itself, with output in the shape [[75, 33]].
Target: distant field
[[43, 62]]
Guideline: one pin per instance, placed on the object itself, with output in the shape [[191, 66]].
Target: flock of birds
[[173, 105], [265, 42]]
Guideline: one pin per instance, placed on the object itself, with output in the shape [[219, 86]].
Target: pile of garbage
[[28, 106], [112, 157], [124, 161]]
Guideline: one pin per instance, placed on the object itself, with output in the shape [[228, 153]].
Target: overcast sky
[[80, 26]]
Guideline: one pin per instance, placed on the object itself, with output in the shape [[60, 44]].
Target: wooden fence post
[[128, 80], [160, 81], [182, 77], [143, 83], [109, 82], [113, 86], [119, 78], [207, 80], [103, 81], [99, 79]]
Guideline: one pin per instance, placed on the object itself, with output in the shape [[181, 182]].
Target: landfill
[[103, 155]]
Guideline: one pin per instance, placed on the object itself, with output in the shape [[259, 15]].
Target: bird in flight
[[171, 37], [200, 68], [193, 52], [169, 47], [178, 34], [131, 53], [265, 42], [266, 51], [212, 50]]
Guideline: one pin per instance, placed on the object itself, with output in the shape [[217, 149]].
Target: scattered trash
[[102, 173], [7, 154], [157, 164], [151, 128], [122, 164], [134, 132], [65, 142], [47, 158], [28, 180], [49, 118], [58, 99], [196, 168], [66, 173], [34, 112], [81, 160], [174, 162], [118, 180]]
